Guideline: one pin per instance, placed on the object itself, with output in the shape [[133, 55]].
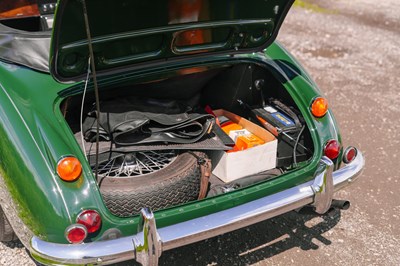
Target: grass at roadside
[[307, 4]]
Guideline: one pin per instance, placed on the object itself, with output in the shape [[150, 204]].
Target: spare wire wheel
[[153, 179]]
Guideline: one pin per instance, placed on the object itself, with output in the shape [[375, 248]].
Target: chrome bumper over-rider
[[147, 245]]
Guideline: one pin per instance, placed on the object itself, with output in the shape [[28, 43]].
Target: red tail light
[[90, 219], [76, 233], [349, 154], [332, 149]]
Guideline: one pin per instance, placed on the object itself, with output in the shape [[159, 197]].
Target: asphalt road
[[352, 50]]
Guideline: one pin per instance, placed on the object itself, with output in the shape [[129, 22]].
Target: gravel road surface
[[352, 50]]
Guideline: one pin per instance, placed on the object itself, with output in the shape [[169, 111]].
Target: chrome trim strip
[[201, 228]]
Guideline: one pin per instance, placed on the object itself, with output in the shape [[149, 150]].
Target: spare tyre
[[155, 179]]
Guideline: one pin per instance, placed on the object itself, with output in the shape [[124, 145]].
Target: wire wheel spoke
[[137, 163]]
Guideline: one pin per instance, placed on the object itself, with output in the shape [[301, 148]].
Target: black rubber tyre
[[177, 183], [6, 232]]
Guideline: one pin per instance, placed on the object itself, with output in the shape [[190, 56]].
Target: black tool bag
[[135, 121]]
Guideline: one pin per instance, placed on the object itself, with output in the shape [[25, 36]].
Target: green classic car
[[128, 128]]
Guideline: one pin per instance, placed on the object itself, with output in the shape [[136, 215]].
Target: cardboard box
[[234, 165]]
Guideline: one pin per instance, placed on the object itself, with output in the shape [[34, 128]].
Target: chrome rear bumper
[[148, 244]]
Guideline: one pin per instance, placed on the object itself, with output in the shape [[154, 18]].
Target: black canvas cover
[[30, 49]]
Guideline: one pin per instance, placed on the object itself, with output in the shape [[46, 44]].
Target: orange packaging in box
[[248, 141], [244, 139], [230, 126]]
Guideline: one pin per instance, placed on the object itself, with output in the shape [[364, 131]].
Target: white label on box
[[234, 134]]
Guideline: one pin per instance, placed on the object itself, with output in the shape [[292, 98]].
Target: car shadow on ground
[[257, 242]]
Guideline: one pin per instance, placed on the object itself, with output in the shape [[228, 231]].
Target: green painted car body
[[34, 135]]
